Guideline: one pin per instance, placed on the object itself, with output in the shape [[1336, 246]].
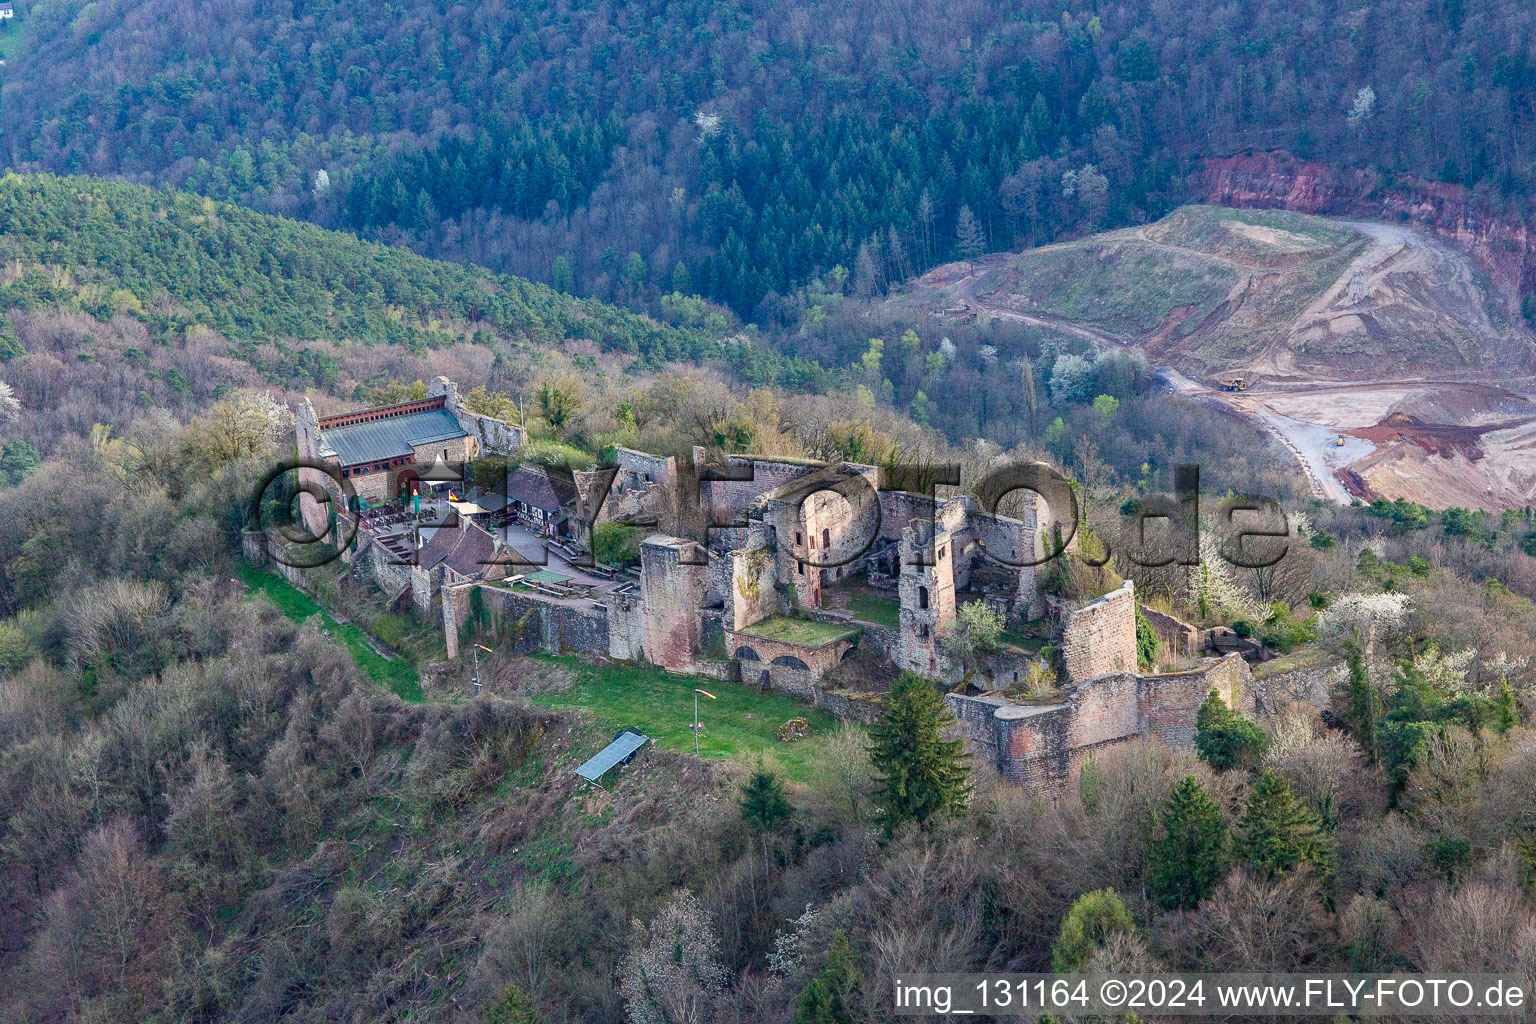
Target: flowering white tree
[[1072, 378], [10, 408], [1364, 106], [708, 123], [1363, 619], [789, 945], [673, 973], [1446, 672], [1215, 591]]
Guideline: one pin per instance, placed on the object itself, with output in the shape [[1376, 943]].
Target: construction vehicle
[[1339, 441], [1235, 384]]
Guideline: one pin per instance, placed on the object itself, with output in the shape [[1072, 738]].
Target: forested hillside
[[736, 150], [178, 262]]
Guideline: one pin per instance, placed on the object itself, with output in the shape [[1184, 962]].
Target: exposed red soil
[[1280, 180], [1436, 438]]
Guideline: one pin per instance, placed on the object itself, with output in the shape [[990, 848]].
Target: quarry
[[1368, 349]]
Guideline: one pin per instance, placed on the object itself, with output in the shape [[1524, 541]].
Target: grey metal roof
[[388, 438], [622, 747]]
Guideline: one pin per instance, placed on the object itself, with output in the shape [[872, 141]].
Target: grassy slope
[[740, 724], [396, 673], [868, 607]]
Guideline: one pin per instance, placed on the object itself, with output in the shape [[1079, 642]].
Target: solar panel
[[625, 745]]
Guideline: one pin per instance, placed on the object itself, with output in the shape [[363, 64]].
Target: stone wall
[[727, 500], [1006, 543], [1042, 745], [860, 707], [927, 594], [306, 440], [383, 568], [751, 595], [1100, 637], [899, 509], [644, 486], [1170, 702], [492, 435], [1178, 640], [528, 625], [673, 594], [626, 625], [790, 667], [454, 450]]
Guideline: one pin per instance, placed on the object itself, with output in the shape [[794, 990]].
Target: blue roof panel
[[389, 438], [611, 755]]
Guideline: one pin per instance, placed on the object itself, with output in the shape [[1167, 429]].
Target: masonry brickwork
[[672, 590], [1100, 637], [1177, 640], [1043, 746]]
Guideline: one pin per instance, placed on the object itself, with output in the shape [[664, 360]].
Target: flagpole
[[476, 649], [696, 724]]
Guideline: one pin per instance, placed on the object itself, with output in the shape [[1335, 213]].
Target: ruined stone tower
[[927, 589]]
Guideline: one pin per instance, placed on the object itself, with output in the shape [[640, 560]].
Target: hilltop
[[1267, 293]]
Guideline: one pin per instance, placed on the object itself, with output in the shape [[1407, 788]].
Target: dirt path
[[1314, 446]]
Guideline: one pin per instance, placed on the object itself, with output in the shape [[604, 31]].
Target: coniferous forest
[[772, 143]]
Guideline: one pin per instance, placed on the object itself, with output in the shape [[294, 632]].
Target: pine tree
[[560, 277], [1363, 711], [1506, 708], [1277, 832], [921, 774], [763, 807], [1193, 851], [825, 1000], [1226, 740], [1148, 646], [514, 1007], [970, 242], [763, 804], [1093, 918], [682, 281]]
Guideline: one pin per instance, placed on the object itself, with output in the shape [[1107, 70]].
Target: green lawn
[[740, 724], [397, 674], [868, 607], [10, 40], [805, 632]]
